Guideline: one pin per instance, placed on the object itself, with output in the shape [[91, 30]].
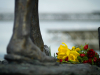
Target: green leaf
[[84, 58], [79, 58], [50, 51], [81, 46], [97, 55], [64, 61], [70, 60], [88, 49], [54, 55], [80, 52], [92, 62]]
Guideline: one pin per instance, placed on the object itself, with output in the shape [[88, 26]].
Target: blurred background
[[73, 22]]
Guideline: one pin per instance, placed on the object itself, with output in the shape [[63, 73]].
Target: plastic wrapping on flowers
[[82, 54]]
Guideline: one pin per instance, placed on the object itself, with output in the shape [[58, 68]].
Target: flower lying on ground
[[81, 54]]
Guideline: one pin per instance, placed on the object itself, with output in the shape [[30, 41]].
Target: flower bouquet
[[82, 54]]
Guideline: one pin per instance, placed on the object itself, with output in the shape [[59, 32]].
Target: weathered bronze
[[35, 29], [21, 47]]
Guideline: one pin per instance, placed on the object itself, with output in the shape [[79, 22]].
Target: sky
[[57, 6]]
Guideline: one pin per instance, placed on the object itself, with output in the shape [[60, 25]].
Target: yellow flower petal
[[72, 57], [63, 51], [73, 47], [64, 44], [61, 54], [77, 49], [64, 57], [74, 52]]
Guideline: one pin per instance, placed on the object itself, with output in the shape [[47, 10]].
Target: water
[[6, 28]]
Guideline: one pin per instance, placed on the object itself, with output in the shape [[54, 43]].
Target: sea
[[53, 42]]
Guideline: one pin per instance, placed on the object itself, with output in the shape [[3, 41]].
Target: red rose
[[90, 61], [95, 59], [91, 53], [66, 59], [86, 47], [85, 61], [60, 60], [82, 55]]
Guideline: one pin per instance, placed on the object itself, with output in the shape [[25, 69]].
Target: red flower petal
[[66, 59], [56, 53], [86, 47], [91, 53], [60, 60], [82, 55], [95, 59], [85, 61], [91, 50], [90, 61]]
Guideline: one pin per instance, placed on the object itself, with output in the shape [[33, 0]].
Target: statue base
[[48, 68]]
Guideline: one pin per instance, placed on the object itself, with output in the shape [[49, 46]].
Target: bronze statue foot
[[25, 50]]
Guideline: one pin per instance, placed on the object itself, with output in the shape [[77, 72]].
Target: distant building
[[95, 16]]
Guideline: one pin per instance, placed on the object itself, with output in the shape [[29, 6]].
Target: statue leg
[[35, 33], [21, 47]]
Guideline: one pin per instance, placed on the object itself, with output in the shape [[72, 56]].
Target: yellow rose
[[63, 51], [77, 49], [73, 48], [73, 55]]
